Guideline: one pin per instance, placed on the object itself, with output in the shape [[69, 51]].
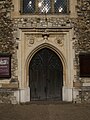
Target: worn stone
[[6, 95], [7, 45], [9, 41]]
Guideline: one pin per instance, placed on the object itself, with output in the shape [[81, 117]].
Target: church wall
[[63, 34], [82, 45]]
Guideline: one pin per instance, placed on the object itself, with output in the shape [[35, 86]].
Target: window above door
[[44, 6]]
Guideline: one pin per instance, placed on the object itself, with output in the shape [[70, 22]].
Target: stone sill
[[10, 86]]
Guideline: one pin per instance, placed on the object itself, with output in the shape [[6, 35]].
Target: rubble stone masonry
[[8, 44]]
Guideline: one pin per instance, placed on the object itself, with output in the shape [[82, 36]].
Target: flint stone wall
[[82, 45], [81, 39], [7, 45]]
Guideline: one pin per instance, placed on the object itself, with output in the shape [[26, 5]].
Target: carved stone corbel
[[60, 40], [30, 39]]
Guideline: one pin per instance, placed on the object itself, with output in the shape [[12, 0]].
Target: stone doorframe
[[54, 49], [30, 42]]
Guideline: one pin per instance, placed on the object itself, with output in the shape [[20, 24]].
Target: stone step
[[47, 102]]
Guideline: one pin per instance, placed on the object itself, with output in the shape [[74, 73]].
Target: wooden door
[[46, 76]]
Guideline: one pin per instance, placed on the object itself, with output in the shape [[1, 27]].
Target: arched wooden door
[[46, 76]]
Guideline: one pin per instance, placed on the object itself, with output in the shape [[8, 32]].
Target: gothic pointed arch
[[45, 76], [38, 55]]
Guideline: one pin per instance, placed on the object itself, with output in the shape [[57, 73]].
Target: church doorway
[[45, 76]]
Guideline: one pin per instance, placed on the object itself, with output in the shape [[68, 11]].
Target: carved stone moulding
[[60, 40], [30, 39], [46, 36]]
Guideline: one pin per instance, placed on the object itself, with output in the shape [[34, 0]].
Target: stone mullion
[[52, 6], [21, 6], [68, 6], [36, 6]]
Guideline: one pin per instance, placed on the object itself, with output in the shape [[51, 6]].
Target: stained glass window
[[28, 6], [45, 6], [60, 6]]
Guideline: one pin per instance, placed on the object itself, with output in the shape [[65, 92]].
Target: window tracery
[[44, 6]]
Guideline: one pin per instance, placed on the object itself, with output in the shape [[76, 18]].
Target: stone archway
[[46, 76], [59, 42]]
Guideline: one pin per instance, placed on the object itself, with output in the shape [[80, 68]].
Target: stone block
[[77, 84], [10, 85]]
